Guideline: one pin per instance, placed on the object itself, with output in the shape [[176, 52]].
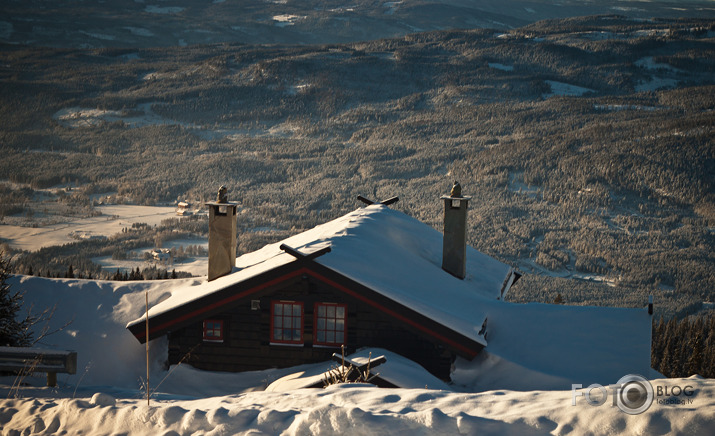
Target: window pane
[[339, 337], [331, 311], [296, 323], [321, 311], [278, 309], [321, 336], [278, 321], [330, 336], [296, 310], [331, 325], [296, 335], [340, 312], [339, 324], [277, 334], [321, 323]]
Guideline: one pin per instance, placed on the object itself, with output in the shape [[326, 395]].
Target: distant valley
[[586, 143], [147, 23]]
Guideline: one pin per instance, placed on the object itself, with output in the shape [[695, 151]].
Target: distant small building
[[161, 254], [184, 209]]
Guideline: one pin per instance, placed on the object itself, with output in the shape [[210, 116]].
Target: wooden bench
[[30, 360]]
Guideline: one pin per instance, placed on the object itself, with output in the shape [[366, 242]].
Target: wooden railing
[[31, 360]]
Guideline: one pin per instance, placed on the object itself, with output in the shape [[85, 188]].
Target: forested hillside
[[587, 144]]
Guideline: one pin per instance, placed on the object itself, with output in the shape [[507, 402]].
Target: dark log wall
[[246, 345]]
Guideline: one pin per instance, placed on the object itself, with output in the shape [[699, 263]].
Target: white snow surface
[[490, 395], [560, 88]]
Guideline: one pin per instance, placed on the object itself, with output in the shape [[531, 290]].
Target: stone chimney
[[222, 235], [454, 246]]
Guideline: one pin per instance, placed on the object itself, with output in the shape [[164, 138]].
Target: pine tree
[[13, 333], [70, 273], [709, 358], [695, 362], [658, 344], [666, 366]]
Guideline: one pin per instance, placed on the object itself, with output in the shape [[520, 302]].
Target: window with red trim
[[213, 330], [329, 324], [287, 322]]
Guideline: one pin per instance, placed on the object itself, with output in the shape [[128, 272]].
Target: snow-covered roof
[[388, 252]]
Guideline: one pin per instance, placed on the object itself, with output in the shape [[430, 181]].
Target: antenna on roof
[[387, 202]]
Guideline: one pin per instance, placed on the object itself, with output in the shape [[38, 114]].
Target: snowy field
[[107, 395], [195, 265], [113, 219]]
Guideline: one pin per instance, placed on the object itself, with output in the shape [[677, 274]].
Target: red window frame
[[287, 326], [330, 325], [213, 330]]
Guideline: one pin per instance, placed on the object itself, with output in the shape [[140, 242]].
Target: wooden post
[[51, 379]]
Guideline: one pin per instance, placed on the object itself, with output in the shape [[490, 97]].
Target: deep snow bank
[[349, 410]]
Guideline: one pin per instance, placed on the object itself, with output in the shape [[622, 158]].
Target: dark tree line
[[152, 273], [684, 347]]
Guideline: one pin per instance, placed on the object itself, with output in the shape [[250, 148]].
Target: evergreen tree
[[13, 333], [695, 362], [657, 344], [70, 273]]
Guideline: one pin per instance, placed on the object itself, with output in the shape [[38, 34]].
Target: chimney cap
[[456, 190], [221, 198], [222, 195], [455, 193]]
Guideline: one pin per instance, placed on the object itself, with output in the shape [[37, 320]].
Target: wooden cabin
[[372, 278], [184, 209]]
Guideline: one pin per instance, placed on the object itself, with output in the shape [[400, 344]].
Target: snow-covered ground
[[560, 88], [355, 410], [113, 219], [195, 265], [494, 394], [502, 67]]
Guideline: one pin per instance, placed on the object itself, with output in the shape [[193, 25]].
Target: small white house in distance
[[377, 278], [184, 209]]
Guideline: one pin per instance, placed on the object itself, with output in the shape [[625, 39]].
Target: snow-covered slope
[[105, 396]]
